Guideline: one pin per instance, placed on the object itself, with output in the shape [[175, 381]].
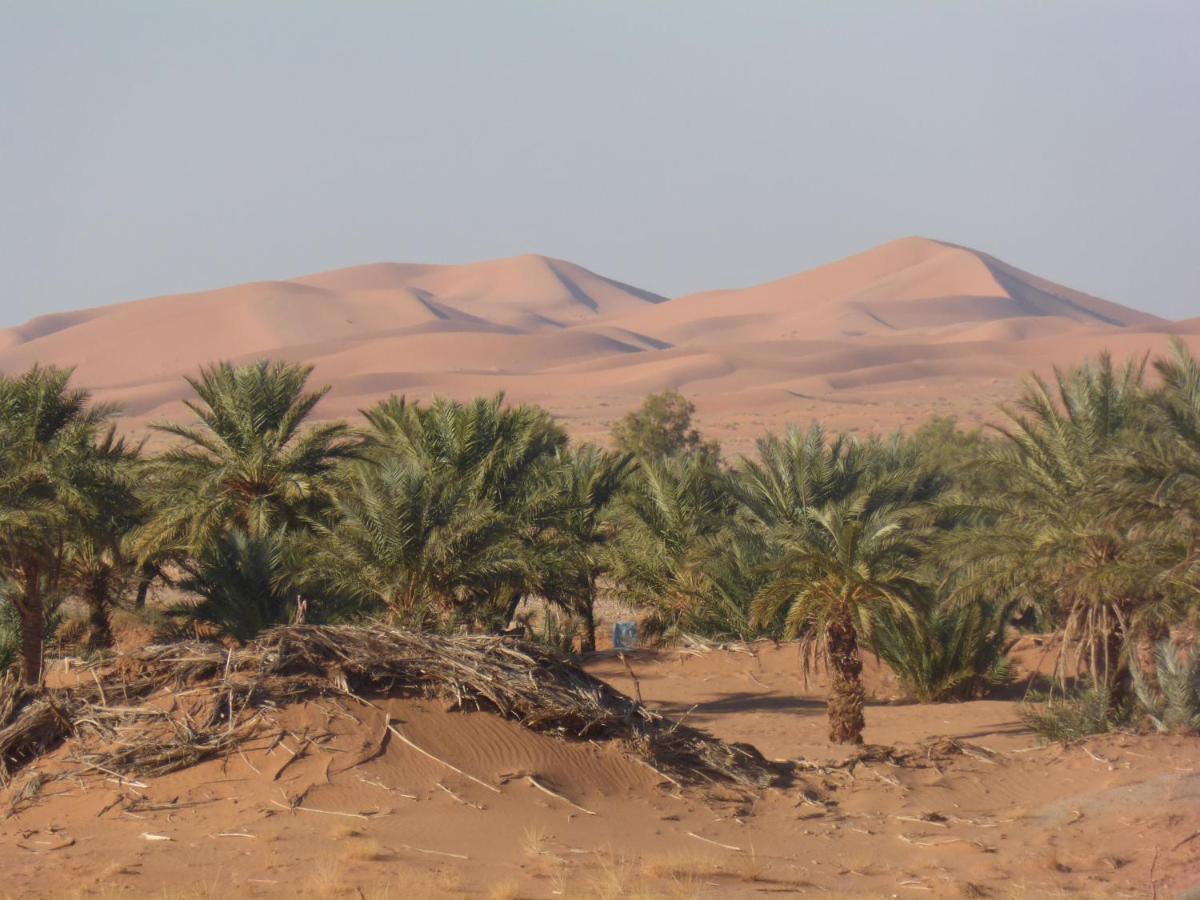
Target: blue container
[[625, 635]]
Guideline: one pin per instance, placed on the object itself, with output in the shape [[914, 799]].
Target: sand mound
[[237, 688]]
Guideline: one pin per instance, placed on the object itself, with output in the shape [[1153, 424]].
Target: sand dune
[[875, 341]]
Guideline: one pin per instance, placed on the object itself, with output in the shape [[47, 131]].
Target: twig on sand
[[693, 834], [326, 812], [434, 852], [545, 790], [394, 730], [69, 842], [459, 799], [637, 685], [1153, 881], [1188, 839]]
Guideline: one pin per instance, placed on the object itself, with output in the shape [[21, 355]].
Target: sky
[[680, 145]]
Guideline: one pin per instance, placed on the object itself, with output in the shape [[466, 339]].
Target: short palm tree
[[96, 561], [589, 478], [418, 547], [840, 563], [47, 463], [250, 463], [488, 457], [667, 528]]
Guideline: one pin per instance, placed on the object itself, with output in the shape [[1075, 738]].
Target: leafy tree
[[235, 485], [419, 547], [670, 551], [96, 561], [843, 562], [248, 464], [490, 458], [589, 480], [1051, 540], [47, 464], [661, 427], [240, 581]]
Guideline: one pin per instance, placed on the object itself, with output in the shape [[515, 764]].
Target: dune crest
[[878, 340]]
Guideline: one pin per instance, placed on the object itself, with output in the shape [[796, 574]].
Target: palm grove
[[1079, 514]]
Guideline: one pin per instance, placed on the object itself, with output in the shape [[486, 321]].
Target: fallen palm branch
[[235, 691]]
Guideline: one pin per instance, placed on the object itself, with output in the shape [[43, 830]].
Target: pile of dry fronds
[[144, 730]]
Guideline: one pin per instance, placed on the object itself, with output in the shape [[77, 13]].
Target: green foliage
[[956, 654], [661, 427], [238, 582], [492, 465], [49, 470], [10, 636], [402, 540], [1173, 703], [672, 548], [1091, 711], [248, 464]]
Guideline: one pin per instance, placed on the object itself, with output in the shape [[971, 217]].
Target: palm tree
[[249, 463], [420, 547], [589, 479], [488, 457], [841, 563], [47, 463], [96, 560], [1052, 540], [669, 527]]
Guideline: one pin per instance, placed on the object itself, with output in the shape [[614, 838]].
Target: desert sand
[[989, 814], [878, 341]]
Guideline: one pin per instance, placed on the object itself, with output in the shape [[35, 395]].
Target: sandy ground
[[878, 341], [531, 815]]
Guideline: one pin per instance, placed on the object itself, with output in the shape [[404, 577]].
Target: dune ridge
[[875, 341]]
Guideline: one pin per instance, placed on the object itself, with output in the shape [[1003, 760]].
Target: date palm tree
[[249, 463], [841, 562], [48, 463], [493, 458], [589, 479], [1053, 540], [419, 548]]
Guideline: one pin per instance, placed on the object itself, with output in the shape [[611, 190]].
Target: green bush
[[1173, 705], [1074, 717], [957, 655], [10, 636]]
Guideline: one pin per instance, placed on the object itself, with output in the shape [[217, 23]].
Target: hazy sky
[[163, 146]]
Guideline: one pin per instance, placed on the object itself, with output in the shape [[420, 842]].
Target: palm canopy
[[841, 561], [486, 457], [50, 469], [1051, 540], [249, 463], [420, 548]]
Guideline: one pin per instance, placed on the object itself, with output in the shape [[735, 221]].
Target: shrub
[[10, 636], [958, 655], [1173, 705], [1071, 718]]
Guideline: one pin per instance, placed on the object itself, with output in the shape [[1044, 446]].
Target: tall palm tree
[[842, 562], [250, 462], [47, 463], [1053, 540]]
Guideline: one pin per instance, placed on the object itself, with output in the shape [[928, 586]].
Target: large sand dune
[[876, 341]]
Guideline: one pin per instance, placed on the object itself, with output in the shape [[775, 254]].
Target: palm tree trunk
[[99, 633], [33, 628], [846, 695], [587, 643]]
